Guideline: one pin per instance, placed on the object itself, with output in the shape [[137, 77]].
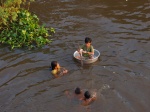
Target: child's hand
[[79, 50], [84, 51], [94, 95], [65, 71]]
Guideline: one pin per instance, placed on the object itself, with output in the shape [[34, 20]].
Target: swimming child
[[87, 50], [56, 69], [78, 93], [88, 98], [85, 98]]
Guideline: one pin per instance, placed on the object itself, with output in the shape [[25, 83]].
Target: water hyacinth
[[19, 28]]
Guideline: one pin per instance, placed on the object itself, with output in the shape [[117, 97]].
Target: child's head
[[77, 90], [54, 64], [88, 41], [87, 95]]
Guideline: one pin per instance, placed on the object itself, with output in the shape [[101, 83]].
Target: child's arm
[[87, 102], [90, 53], [63, 72], [93, 97], [58, 73]]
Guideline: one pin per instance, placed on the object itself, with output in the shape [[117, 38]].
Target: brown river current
[[120, 30]]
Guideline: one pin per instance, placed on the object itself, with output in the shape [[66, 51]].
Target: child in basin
[[87, 49], [56, 69]]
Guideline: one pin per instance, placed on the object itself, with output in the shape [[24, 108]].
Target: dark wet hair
[[87, 95], [53, 64], [77, 90], [88, 40]]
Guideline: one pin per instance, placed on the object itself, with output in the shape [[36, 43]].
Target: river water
[[120, 30]]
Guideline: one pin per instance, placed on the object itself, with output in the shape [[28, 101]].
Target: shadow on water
[[119, 30]]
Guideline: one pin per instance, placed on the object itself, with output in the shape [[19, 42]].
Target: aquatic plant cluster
[[19, 28]]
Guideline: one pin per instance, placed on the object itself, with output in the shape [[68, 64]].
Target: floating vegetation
[[19, 28]]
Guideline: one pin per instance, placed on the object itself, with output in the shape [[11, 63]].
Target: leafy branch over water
[[19, 28]]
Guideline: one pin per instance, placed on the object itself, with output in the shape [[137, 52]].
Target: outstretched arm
[[63, 72]]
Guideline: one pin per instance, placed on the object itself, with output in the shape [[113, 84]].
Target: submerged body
[[88, 98], [56, 69], [85, 98]]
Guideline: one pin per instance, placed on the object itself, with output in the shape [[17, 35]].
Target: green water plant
[[19, 28]]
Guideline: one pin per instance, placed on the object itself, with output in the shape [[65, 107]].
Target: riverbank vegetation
[[19, 28]]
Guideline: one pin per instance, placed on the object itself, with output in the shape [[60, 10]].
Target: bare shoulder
[[89, 101]]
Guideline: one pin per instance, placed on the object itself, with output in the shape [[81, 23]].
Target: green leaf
[[24, 32]]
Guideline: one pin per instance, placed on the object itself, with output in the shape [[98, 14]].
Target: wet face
[[88, 44], [58, 66]]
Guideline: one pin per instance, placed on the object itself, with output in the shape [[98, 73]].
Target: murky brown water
[[120, 31]]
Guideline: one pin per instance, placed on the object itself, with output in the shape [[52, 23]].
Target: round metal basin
[[87, 61]]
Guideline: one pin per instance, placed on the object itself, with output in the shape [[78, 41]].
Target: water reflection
[[120, 31]]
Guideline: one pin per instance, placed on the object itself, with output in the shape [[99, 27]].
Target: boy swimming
[[56, 69], [78, 94], [88, 98], [85, 98]]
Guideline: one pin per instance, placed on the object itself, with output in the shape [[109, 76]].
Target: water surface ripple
[[120, 30]]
